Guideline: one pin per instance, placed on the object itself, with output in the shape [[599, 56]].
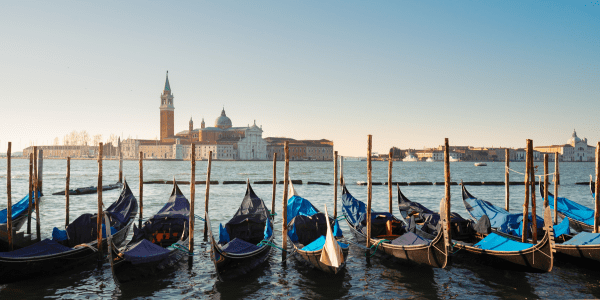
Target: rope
[[86, 245], [376, 247], [182, 248], [265, 242], [199, 217], [456, 250], [340, 217], [538, 175]]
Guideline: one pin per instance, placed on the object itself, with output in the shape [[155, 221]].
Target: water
[[377, 278]]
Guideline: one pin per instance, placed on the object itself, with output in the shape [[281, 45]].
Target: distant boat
[[410, 157], [430, 159], [480, 164], [453, 159]]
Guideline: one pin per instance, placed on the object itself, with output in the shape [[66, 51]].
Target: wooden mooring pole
[[533, 198], [29, 209], [192, 199], [36, 197], [506, 180], [210, 154], [38, 189], [527, 185], [390, 162], [369, 189], [67, 191], [141, 190], [556, 181], [99, 217], [447, 191], [335, 183], [40, 170], [342, 171], [9, 199], [286, 178], [545, 181], [274, 185], [597, 189]]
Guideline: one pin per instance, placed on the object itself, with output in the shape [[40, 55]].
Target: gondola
[[309, 231], [390, 236], [159, 244], [73, 246], [581, 245], [245, 240], [426, 222], [19, 216], [500, 248]]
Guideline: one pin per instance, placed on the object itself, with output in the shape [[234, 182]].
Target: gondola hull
[[229, 266], [20, 268], [125, 271], [538, 258], [313, 258], [433, 254]]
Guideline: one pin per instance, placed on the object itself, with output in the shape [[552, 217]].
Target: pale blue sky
[[483, 73]]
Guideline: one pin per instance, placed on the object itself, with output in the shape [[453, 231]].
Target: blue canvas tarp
[[239, 246], [562, 228], [318, 244], [499, 243], [572, 210], [353, 209], [18, 209], [584, 238], [44, 247], [125, 207], [297, 205], [145, 251], [499, 218]]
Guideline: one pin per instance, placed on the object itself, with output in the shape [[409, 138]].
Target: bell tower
[[167, 111]]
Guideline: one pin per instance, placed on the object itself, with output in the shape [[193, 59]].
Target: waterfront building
[[576, 149], [300, 149]]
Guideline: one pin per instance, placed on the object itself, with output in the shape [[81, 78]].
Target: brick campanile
[[167, 112]]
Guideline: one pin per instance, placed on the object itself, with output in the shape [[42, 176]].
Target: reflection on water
[[377, 278]]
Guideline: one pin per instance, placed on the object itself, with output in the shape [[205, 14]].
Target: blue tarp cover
[[144, 252], [45, 247], [499, 243], [353, 209], [573, 210], [562, 228], [239, 246], [318, 244], [584, 238], [223, 235], [125, 207], [409, 239], [268, 230], [337, 231], [299, 206], [19, 208], [499, 218]]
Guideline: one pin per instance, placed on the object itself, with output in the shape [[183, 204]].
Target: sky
[[411, 73]]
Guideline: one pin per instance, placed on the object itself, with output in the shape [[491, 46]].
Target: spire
[[223, 111], [167, 86]]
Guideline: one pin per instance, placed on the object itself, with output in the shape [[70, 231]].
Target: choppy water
[[377, 278]]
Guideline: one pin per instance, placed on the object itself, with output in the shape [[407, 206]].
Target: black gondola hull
[[229, 266], [313, 259]]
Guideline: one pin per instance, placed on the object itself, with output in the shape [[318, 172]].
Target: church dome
[[574, 138], [223, 121]]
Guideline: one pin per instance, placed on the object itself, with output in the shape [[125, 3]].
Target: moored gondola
[[500, 248], [19, 216], [245, 241], [159, 244], [71, 247], [310, 232], [391, 238]]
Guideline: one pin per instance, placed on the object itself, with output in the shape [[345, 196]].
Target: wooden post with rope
[[207, 194], [67, 191], [286, 178], [526, 202], [369, 190], [9, 229], [36, 197], [335, 183], [597, 189], [99, 216], [29, 209], [390, 165], [447, 190], [274, 185], [192, 199], [506, 179], [533, 198], [556, 181], [545, 181]]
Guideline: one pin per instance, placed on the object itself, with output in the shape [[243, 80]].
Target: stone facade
[[300, 149]]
